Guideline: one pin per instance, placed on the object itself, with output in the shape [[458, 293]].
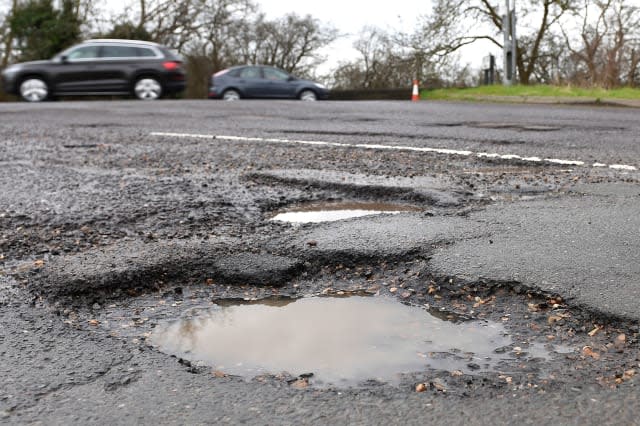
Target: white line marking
[[622, 167], [395, 148]]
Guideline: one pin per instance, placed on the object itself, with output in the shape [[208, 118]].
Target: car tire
[[231, 95], [308, 95], [147, 89], [34, 89]]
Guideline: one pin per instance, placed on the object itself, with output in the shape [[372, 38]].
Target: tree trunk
[[8, 43]]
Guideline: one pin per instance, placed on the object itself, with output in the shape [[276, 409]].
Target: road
[[118, 216]]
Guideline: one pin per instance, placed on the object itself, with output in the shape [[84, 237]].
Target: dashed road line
[[462, 153]]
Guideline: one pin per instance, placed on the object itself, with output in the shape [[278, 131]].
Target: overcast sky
[[350, 16]]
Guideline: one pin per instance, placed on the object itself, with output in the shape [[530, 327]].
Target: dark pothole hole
[[548, 343]]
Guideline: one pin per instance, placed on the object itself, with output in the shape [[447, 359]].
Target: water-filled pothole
[[332, 211], [342, 341]]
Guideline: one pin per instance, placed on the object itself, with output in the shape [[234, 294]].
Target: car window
[[274, 74], [86, 52], [250, 72], [118, 52], [144, 52]]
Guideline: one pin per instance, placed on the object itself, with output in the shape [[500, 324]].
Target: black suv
[[100, 67]]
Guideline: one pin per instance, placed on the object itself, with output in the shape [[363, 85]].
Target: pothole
[[549, 344], [339, 341], [334, 211]]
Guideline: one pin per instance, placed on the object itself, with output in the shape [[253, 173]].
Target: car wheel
[[34, 89], [308, 95], [231, 95], [147, 89]]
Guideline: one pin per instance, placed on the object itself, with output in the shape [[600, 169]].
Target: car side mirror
[[64, 59], [291, 78]]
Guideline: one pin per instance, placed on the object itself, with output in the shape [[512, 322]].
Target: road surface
[[119, 216]]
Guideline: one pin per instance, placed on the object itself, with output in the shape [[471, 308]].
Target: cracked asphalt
[[107, 230]]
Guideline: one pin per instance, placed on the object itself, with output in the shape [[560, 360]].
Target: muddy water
[[330, 212], [342, 341]]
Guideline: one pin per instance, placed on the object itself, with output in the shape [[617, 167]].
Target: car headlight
[[321, 86]]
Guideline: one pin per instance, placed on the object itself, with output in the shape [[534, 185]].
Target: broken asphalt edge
[[129, 266], [110, 270]]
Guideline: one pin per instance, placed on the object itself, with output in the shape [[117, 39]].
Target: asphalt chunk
[[423, 188], [147, 265]]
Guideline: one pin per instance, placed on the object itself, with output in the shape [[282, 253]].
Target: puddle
[[330, 212], [342, 341]]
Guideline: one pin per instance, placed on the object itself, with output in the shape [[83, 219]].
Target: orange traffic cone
[[415, 96]]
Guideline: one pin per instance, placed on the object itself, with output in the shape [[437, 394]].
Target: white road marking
[[622, 167], [396, 148]]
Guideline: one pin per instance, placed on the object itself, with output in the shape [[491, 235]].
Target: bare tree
[[6, 35], [454, 24], [170, 22], [381, 64], [607, 51], [291, 42], [222, 36]]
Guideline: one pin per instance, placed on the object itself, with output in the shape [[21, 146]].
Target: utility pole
[[510, 43]]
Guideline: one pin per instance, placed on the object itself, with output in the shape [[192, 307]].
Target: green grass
[[478, 93]]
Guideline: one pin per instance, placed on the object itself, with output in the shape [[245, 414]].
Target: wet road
[[118, 216]]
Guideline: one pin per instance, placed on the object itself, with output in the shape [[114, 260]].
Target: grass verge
[[524, 92]]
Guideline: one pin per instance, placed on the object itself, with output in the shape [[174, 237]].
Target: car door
[[118, 64], [278, 84], [250, 82], [77, 69]]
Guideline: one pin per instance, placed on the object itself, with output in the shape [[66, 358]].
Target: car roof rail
[[119, 40]]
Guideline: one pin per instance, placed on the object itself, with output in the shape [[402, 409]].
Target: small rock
[[184, 362], [312, 243], [587, 351], [300, 383], [620, 343], [421, 387], [595, 331], [437, 385]]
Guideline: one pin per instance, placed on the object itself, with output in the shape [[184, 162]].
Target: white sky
[[350, 17]]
